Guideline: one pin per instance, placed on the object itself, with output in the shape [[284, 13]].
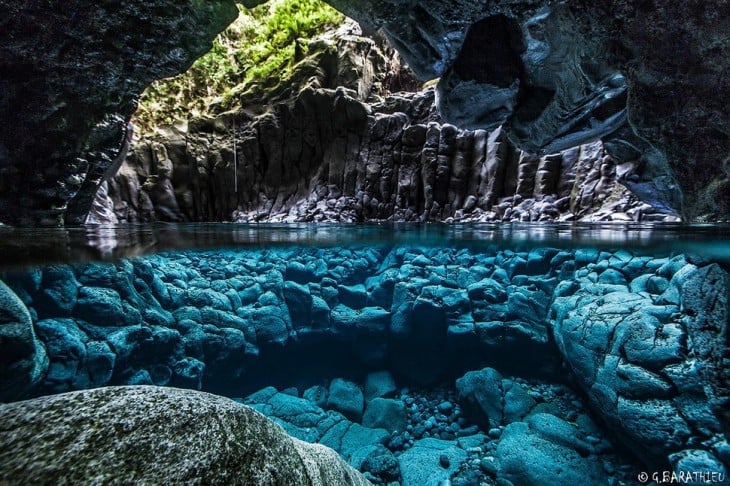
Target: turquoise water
[[421, 353], [33, 246]]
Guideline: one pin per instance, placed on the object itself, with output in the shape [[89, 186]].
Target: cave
[[425, 242], [491, 52]]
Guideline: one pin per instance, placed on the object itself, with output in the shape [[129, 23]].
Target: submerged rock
[[23, 359], [430, 462], [156, 435], [546, 450], [651, 368]]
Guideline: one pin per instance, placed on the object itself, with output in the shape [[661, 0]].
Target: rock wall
[[631, 337], [156, 435], [645, 338], [556, 76], [327, 156], [70, 77], [634, 74]]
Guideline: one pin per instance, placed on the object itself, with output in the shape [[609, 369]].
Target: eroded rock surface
[[645, 344], [70, 76], [349, 154], [24, 360], [556, 76], [644, 337], [560, 75], [129, 434]]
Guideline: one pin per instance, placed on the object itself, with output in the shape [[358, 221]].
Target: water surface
[[21, 247]]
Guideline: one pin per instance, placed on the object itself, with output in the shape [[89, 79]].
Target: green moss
[[260, 47]]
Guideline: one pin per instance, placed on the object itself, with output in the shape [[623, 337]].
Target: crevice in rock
[[491, 52]]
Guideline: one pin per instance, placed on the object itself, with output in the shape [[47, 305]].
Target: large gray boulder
[[156, 435], [653, 366], [23, 359]]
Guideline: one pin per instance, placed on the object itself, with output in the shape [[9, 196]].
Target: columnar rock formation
[[317, 153], [557, 76], [329, 157], [635, 74], [70, 77]]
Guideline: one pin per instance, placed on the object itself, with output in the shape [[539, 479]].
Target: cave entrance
[[491, 52]]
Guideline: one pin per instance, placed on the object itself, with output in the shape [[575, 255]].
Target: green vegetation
[[259, 47]]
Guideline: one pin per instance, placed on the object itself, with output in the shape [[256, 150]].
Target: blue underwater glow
[[448, 360]]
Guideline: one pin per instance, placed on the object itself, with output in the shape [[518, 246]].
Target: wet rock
[[382, 464], [317, 395], [189, 373], [379, 384], [422, 464], [546, 453], [24, 359], [66, 349], [348, 438], [386, 414], [641, 385], [346, 397], [698, 466], [50, 439], [480, 396], [101, 306], [59, 290]]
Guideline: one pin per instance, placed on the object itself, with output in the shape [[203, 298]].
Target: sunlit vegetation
[[262, 44]]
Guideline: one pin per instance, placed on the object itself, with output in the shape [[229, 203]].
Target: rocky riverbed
[[499, 337]]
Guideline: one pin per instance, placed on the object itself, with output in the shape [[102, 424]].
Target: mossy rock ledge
[[147, 434]]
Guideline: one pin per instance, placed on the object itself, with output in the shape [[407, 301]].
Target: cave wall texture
[[554, 75], [70, 76]]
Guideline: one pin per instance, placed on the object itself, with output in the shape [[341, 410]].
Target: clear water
[[303, 322], [38, 246]]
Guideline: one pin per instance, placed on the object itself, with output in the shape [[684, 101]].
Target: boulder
[[480, 396], [379, 384], [386, 414], [423, 464], [101, 306], [23, 359], [546, 450], [147, 434], [346, 397]]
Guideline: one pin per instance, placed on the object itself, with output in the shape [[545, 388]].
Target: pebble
[[444, 461], [495, 433], [489, 466], [445, 407]]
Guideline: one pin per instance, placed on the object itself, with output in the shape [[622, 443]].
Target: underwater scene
[[422, 355]]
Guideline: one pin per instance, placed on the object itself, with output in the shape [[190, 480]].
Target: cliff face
[[70, 76], [555, 76], [646, 77], [321, 154]]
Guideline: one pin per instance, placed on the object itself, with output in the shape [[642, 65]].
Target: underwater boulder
[[480, 397], [546, 450], [23, 359], [59, 291], [423, 464], [385, 413], [653, 370], [346, 397], [379, 384], [489, 400], [157, 435], [102, 306], [66, 348], [381, 463]]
